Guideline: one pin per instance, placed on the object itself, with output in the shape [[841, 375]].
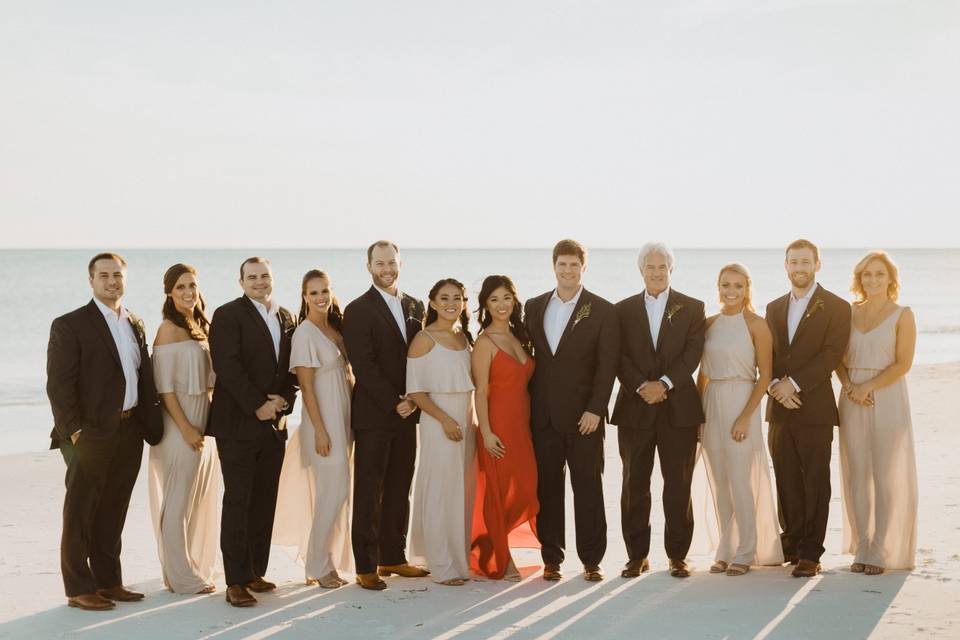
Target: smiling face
[[802, 267], [384, 267], [257, 282], [656, 273], [875, 279], [448, 303], [186, 294], [500, 304], [317, 295], [108, 280], [569, 271], [733, 289]]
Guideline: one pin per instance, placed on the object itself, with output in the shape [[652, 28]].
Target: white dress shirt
[[271, 317], [127, 347], [394, 303], [797, 307], [656, 307], [556, 316]]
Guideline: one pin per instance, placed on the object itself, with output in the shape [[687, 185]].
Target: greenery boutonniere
[[672, 311], [413, 312], [814, 307], [139, 329], [582, 314]]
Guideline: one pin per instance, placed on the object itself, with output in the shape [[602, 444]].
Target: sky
[[705, 123]]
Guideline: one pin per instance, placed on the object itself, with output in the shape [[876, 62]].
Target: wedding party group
[[426, 450]]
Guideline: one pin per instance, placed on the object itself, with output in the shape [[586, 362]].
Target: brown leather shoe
[[592, 574], [91, 602], [806, 569], [679, 568], [634, 568], [551, 572], [371, 581], [260, 586], [403, 570], [238, 596], [119, 594]]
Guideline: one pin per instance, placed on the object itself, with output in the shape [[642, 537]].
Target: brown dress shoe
[[679, 568], [634, 568], [403, 570], [806, 569], [371, 581], [91, 602], [593, 574], [551, 572], [238, 596], [119, 594], [260, 586]]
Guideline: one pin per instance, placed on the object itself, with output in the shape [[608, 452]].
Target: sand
[[766, 603]]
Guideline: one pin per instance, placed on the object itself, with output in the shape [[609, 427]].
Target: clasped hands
[[653, 391], [785, 393], [274, 406], [859, 394]]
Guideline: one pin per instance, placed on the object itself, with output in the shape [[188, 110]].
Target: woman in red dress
[[506, 500]]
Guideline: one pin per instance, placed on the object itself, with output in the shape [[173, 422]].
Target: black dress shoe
[[634, 568], [551, 572], [679, 568], [593, 573]]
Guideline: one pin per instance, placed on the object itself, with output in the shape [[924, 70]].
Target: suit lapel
[[777, 310], [571, 321], [815, 298], [96, 317], [381, 305], [413, 323], [259, 321]]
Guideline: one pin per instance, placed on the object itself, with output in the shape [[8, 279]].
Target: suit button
[[788, 356]]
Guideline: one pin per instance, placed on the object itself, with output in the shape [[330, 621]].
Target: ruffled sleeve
[[418, 375], [440, 371], [304, 350], [181, 367], [164, 367]]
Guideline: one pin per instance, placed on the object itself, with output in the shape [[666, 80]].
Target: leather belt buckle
[[126, 415]]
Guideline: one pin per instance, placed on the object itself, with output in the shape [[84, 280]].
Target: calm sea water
[[45, 284]]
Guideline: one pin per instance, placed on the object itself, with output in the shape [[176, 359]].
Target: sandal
[[719, 566], [454, 582], [737, 569], [857, 567], [331, 581], [872, 570], [209, 588]]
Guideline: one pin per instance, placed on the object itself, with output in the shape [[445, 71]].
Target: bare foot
[[512, 574], [454, 582], [872, 570], [207, 589], [718, 567], [331, 581], [857, 567]]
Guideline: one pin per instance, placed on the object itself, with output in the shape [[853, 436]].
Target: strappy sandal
[[857, 567], [719, 566], [872, 570], [331, 581], [737, 569]]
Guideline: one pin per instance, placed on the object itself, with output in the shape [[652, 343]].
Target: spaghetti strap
[[430, 335]]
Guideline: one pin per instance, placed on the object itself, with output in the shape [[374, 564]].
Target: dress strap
[[430, 335]]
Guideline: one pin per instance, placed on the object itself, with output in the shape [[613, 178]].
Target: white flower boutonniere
[[582, 314], [814, 307], [139, 329], [672, 311]]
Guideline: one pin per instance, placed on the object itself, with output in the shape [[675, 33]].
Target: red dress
[[506, 501]]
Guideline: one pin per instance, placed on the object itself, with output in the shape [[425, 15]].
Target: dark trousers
[[555, 451], [251, 477], [677, 449], [801, 460], [383, 462], [100, 478]]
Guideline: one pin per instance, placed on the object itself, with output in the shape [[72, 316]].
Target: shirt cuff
[[772, 382], [794, 383], [667, 382]]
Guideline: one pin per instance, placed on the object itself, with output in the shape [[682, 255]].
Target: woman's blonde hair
[[893, 289], [736, 267]]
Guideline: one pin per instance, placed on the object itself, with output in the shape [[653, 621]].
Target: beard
[[802, 279]]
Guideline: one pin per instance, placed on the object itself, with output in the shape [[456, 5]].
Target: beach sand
[[766, 603]]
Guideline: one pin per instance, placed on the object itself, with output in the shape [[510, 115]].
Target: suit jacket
[[817, 348], [85, 381], [247, 369], [675, 355], [378, 355], [579, 376]]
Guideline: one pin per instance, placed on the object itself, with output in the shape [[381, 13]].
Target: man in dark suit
[[575, 342], [658, 407], [377, 329], [253, 394], [811, 328], [104, 402]]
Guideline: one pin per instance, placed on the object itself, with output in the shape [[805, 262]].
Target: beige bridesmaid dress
[[183, 483], [738, 472], [878, 466]]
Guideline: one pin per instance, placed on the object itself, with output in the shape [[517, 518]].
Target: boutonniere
[[413, 312], [582, 314], [139, 329], [672, 311], [814, 307]]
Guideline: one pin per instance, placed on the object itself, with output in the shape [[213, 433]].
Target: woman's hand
[[740, 428], [493, 445], [861, 394], [452, 430], [193, 438], [321, 441]]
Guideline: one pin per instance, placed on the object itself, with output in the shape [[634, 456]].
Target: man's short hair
[[569, 248], [379, 244], [651, 248], [253, 260], [107, 255], [803, 243]]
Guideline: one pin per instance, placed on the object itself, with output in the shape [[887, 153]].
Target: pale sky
[[704, 123]]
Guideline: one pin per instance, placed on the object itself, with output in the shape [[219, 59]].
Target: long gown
[[183, 483], [738, 471], [313, 497], [447, 470], [878, 466], [506, 503]]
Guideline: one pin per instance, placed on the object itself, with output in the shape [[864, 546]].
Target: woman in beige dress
[[315, 479], [184, 470], [734, 374], [439, 382], [878, 466]]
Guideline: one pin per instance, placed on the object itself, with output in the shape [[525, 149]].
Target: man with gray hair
[[658, 408]]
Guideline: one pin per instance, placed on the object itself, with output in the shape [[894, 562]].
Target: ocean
[[46, 283]]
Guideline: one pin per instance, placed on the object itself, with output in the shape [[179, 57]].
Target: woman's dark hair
[[334, 315], [464, 316], [198, 326], [517, 328]]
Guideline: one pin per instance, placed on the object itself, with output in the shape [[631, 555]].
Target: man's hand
[[405, 408], [653, 391], [75, 436], [588, 423], [279, 401], [267, 411], [782, 390]]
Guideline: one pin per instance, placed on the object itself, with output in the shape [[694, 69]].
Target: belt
[[126, 415]]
